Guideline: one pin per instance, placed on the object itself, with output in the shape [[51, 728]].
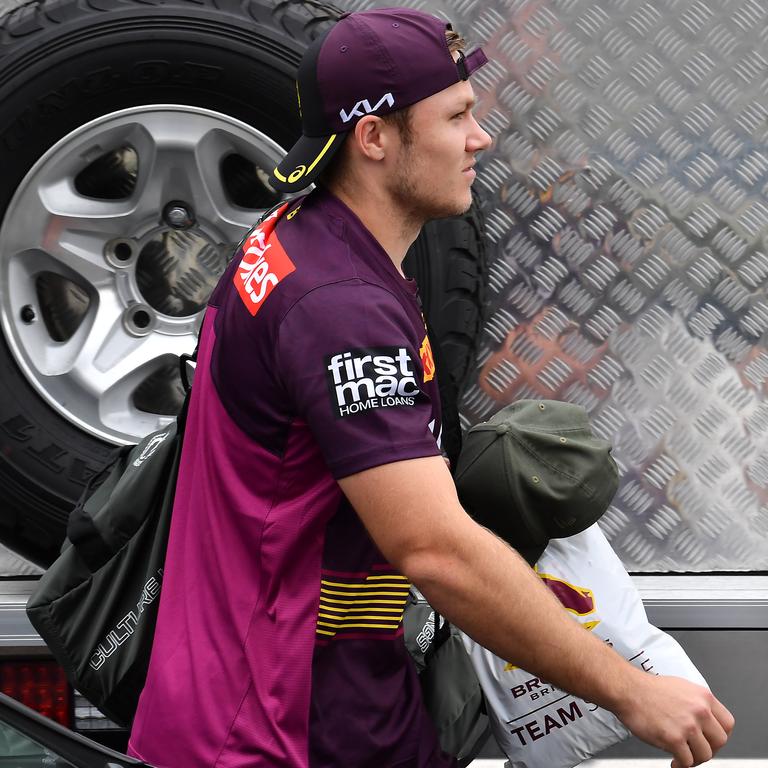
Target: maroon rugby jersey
[[279, 639]]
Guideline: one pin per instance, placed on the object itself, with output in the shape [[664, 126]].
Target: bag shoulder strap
[[82, 532]]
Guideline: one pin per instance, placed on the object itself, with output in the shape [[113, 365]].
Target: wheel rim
[[109, 250]]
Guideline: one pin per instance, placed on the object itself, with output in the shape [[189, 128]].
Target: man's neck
[[392, 228]]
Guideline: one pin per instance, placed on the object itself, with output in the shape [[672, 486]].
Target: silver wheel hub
[[109, 250]]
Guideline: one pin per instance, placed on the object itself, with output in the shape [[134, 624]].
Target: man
[[312, 490]]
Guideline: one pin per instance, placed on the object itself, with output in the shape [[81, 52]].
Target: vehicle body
[[626, 231]]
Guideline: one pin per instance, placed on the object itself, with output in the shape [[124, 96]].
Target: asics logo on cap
[[363, 107]]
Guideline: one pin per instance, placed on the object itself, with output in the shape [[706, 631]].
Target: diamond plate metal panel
[[626, 204]]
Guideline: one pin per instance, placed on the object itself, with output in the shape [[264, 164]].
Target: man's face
[[433, 174]]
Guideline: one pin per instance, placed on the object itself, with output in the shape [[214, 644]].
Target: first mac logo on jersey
[[373, 377]]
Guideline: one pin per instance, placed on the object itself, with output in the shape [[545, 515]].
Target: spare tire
[[136, 141]]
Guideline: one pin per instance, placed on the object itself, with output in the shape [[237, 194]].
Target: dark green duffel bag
[[96, 606]]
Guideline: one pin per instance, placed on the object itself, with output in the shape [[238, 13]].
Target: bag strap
[[81, 530]]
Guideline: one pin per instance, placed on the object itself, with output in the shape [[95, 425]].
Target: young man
[[312, 489]]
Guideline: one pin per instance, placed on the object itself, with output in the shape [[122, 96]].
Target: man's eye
[[459, 115]]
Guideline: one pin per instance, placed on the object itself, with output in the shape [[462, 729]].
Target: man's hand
[[679, 717]]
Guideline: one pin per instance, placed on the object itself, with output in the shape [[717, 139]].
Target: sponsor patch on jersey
[[361, 380], [263, 265], [427, 360]]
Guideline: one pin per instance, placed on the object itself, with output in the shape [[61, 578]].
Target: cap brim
[[305, 161]]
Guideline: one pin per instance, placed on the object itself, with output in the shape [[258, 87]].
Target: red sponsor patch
[[427, 360], [263, 265]]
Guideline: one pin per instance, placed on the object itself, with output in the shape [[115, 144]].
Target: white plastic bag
[[539, 726]]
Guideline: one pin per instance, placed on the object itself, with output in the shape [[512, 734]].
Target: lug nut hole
[[141, 318], [123, 251], [28, 314]]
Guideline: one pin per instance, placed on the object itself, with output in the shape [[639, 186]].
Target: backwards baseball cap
[[535, 472], [369, 62]]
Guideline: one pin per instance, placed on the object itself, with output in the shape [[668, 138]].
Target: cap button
[[502, 429]]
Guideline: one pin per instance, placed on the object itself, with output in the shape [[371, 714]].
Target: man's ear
[[372, 137]]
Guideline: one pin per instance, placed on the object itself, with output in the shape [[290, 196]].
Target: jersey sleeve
[[348, 358]]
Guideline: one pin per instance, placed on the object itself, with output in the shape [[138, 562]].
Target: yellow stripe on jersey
[[356, 604]]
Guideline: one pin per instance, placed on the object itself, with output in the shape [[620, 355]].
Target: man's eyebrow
[[466, 104]]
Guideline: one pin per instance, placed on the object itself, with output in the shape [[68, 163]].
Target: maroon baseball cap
[[369, 62]]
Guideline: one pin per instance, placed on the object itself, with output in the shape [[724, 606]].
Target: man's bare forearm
[[484, 587]]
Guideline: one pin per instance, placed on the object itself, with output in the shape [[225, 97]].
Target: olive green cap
[[535, 472]]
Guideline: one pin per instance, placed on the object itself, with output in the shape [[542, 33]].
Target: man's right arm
[[479, 583]]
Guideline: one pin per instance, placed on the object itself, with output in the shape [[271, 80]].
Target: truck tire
[[114, 228]]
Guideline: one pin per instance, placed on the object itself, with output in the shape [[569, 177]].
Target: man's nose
[[479, 139]]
